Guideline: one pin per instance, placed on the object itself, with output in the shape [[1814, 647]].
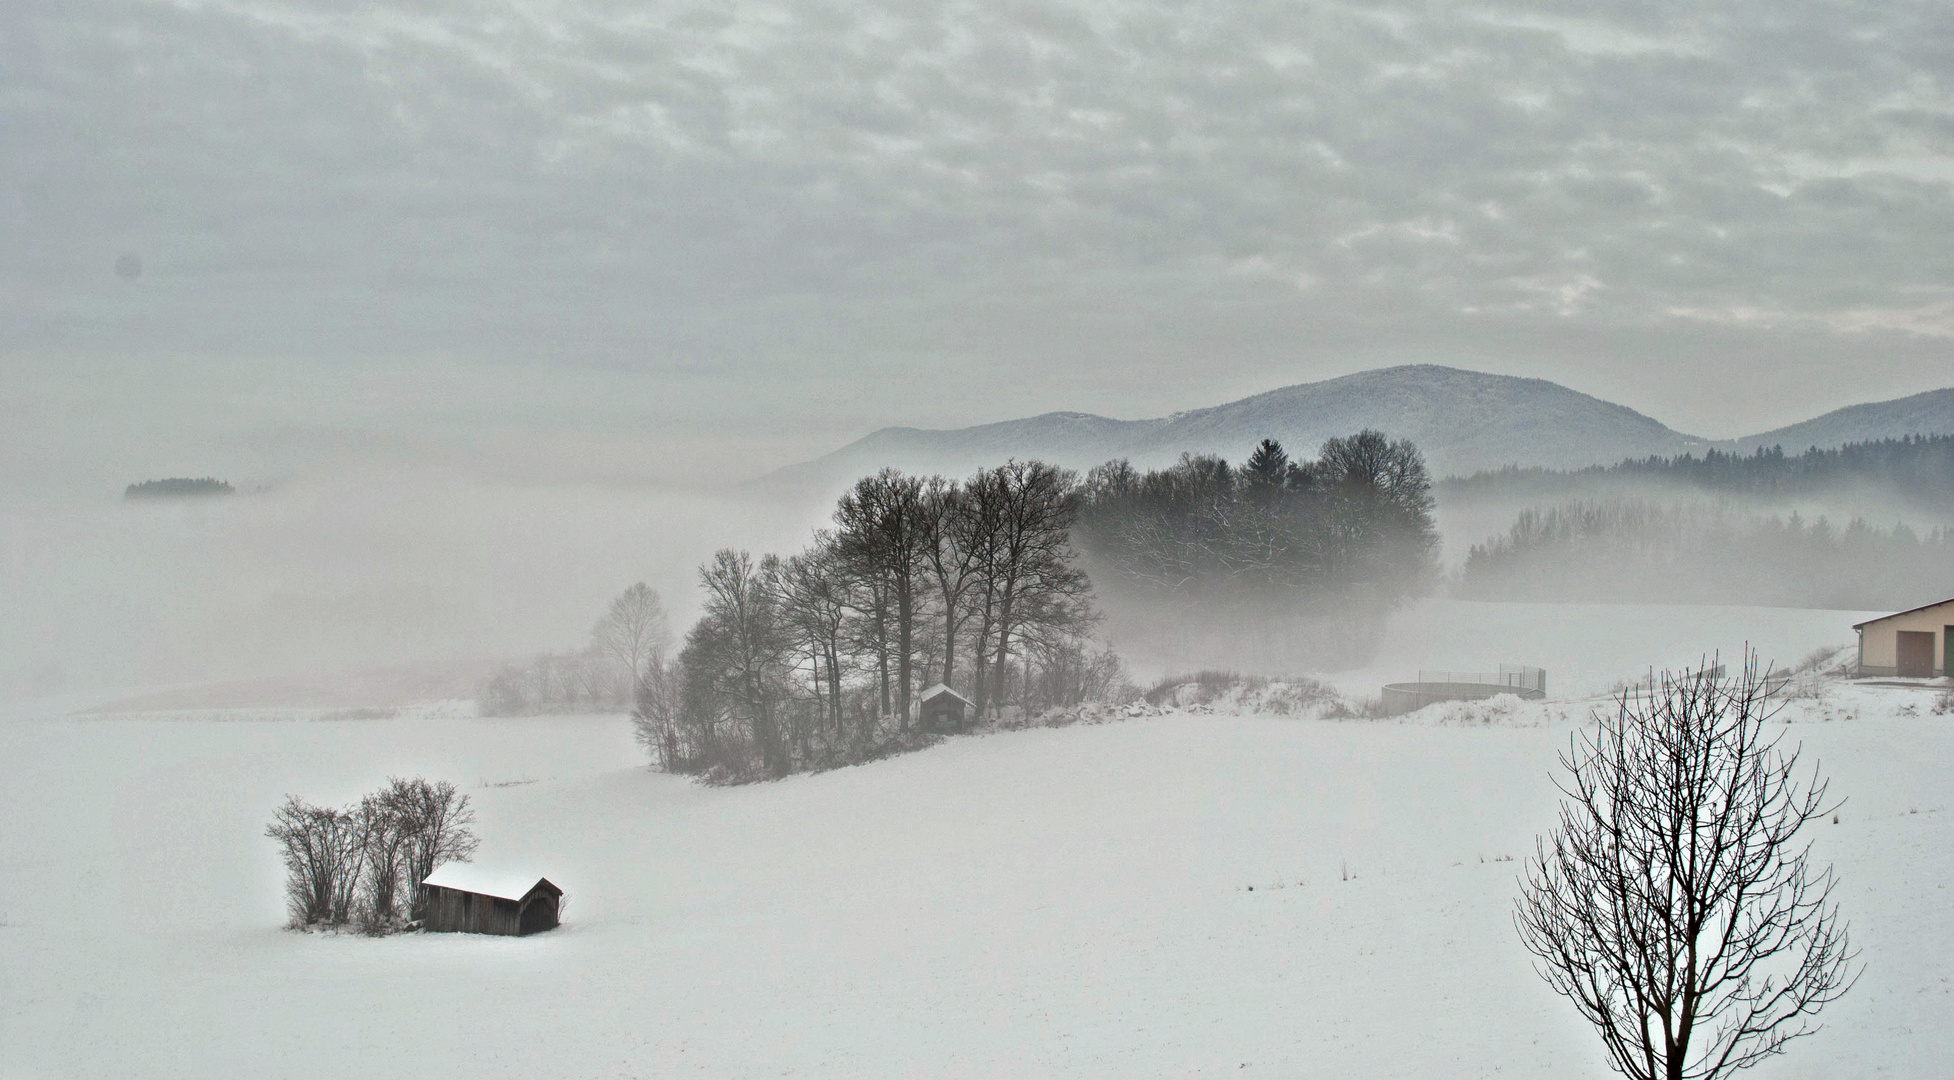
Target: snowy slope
[[1071, 902], [1462, 420], [1931, 413]]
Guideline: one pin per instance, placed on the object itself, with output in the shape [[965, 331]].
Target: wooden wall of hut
[[455, 911]]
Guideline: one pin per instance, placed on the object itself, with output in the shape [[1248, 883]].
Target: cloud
[[830, 211]]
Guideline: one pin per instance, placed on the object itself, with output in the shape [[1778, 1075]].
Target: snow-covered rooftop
[[938, 690], [489, 881]]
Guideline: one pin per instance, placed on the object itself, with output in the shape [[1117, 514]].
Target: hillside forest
[[1825, 528]]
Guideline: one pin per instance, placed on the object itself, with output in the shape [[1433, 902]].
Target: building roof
[[940, 690], [487, 881], [1909, 611]]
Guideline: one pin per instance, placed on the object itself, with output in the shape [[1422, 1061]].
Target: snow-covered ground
[[1587, 648], [1057, 902]]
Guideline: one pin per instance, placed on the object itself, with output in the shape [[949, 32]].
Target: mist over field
[[330, 574], [436, 573], [920, 538]]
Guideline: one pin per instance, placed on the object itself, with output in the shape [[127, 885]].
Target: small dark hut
[[942, 709], [466, 899]]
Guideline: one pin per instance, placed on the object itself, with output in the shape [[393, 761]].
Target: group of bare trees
[[363, 864], [604, 676], [818, 657]]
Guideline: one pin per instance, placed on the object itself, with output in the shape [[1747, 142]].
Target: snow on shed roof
[[505, 884], [1909, 611], [939, 690]]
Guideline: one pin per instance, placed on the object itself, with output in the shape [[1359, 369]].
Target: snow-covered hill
[[1173, 896], [1464, 421], [1931, 413]]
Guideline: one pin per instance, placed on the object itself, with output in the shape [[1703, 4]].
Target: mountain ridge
[[1928, 413], [1464, 421]]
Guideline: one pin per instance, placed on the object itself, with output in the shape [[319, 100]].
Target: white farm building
[[1914, 644]]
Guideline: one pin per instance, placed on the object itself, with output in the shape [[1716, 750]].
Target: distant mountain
[[1462, 420], [1931, 413]]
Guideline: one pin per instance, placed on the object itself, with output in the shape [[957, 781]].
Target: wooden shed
[[467, 899], [942, 709], [1913, 644]]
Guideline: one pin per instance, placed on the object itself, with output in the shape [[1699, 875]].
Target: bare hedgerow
[[356, 864], [1676, 905]]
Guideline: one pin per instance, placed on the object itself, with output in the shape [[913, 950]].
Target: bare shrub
[[1675, 904], [1209, 684], [322, 849], [656, 712], [383, 820], [347, 866], [434, 823], [1292, 695]]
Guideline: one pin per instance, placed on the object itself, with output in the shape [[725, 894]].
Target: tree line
[[1919, 467], [1634, 549], [817, 658], [178, 487], [362, 865], [1353, 525]]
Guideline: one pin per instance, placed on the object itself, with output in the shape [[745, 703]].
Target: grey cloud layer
[[760, 192]]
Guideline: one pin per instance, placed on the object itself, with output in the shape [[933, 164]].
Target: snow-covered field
[[1587, 648], [1061, 902]]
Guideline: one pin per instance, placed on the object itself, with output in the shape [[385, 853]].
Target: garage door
[[1916, 654]]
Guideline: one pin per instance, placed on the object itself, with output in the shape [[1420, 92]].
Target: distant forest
[[1919, 467], [1353, 525], [178, 487], [1272, 564], [1639, 550]]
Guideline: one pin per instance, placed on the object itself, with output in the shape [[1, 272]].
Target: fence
[[1436, 686], [1511, 676]]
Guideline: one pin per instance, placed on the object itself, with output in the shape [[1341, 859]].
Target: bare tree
[[958, 535], [435, 819], [323, 850], [736, 657], [814, 601], [634, 630], [880, 527], [1676, 905], [382, 819], [1030, 562], [655, 713]]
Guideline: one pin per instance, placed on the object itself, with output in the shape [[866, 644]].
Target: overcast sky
[[626, 239]]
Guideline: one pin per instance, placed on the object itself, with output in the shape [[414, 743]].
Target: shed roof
[[1909, 611], [488, 881], [940, 690]]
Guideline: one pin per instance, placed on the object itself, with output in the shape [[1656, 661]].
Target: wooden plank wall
[[452, 910]]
